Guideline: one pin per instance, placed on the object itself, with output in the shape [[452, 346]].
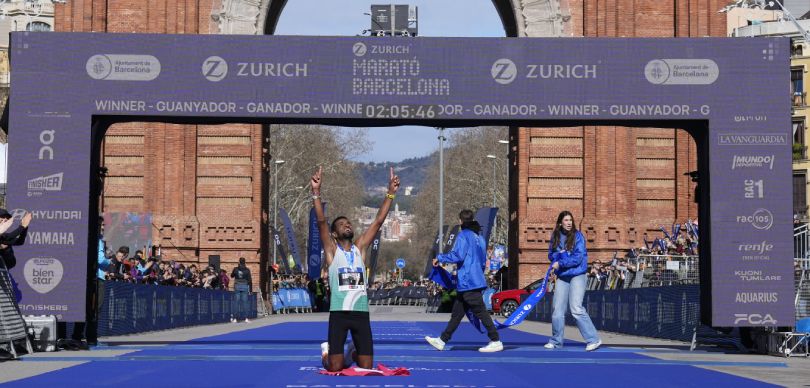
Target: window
[[796, 81], [38, 26], [800, 193], [799, 146]]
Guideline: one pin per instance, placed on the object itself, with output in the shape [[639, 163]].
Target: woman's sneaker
[[435, 342], [494, 346], [593, 346]]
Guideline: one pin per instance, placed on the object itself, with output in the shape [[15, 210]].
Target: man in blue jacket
[[469, 254]]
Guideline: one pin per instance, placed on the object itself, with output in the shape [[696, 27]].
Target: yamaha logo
[[215, 68], [504, 71]]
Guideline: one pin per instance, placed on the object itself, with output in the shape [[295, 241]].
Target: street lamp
[[441, 188], [276, 164]]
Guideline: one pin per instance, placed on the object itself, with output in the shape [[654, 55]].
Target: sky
[[437, 18]]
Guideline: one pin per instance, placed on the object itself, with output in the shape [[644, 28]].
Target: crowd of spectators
[[155, 270]]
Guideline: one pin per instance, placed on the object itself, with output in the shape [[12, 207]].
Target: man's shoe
[[550, 346], [435, 342], [593, 346], [494, 346], [247, 320], [324, 348], [348, 360]]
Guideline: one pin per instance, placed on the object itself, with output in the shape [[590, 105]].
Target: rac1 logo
[[214, 68], [754, 319]]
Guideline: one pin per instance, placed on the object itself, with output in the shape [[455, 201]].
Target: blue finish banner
[[314, 246], [291, 243], [670, 312], [527, 305], [130, 308], [486, 218]]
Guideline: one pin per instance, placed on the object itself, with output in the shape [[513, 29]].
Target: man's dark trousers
[[473, 300]]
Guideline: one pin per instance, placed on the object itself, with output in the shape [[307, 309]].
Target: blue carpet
[[288, 355]]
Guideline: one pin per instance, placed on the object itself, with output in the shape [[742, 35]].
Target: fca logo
[[504, 71], [215, 69]]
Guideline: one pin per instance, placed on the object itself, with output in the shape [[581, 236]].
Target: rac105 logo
[[754, 319]]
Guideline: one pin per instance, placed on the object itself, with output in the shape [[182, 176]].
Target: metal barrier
[[130, 308], [287, 300], [12, 325]]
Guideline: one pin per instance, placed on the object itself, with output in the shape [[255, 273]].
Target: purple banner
[[486, 218], [292, 244], [63, 80]]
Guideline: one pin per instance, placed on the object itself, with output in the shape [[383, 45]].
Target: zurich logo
[[504, 71], [214, 69], [359, 49], [527, 307]]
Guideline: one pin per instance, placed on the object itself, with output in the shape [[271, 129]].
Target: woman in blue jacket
[[569, 259]]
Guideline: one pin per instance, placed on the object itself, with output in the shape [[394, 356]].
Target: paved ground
[[793, 372]]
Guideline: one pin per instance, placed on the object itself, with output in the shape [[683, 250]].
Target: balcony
[[798, 99], [799, 152]]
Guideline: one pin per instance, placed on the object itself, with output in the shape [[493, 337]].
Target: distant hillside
[[412, 172]]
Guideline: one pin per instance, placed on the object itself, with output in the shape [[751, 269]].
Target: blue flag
[[280, 249], [445, 279], [486, 217], [291, 243], [314, 246], [523, 310], [372, 257]]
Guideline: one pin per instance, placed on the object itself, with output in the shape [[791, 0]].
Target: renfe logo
[[760, 248], [754, 319]]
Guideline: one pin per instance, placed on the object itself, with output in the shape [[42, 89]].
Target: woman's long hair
[[570, 237]]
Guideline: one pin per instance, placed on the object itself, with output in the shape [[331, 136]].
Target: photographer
[[7, 241]]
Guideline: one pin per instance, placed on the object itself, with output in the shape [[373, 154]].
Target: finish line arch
[[745, 210]]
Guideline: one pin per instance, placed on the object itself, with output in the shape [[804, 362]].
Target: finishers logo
[[123, 67], [504, 71], [39, 185], [215, 69]]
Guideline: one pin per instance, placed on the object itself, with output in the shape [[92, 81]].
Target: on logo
[[215, 69], [504, 71]]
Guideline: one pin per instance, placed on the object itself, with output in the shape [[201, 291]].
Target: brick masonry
[[621, 183]]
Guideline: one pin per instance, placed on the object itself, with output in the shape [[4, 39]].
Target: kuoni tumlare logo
[[43, 274], [123, 67]]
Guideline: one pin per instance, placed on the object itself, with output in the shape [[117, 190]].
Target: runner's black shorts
[[356, 322]]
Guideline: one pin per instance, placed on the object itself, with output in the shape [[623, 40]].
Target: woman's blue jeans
[[569, 293]]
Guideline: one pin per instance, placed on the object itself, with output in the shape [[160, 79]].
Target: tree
[[303, 148], [468, 183]]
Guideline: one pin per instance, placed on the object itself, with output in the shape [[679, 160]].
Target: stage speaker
[[214, 260]]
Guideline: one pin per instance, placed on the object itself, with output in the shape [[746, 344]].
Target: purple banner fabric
[[486, 217], [314, 246], [282, 253], [372, 258], [292, 244], [63, 80]]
